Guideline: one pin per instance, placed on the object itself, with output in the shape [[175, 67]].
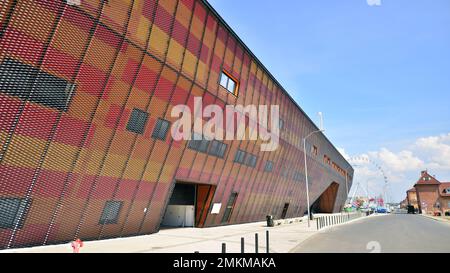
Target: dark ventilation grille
[[13, 212], [28, 83], [229, 209], [217, 148], [269, 166], [137, 121], [161, 129], [110, 213]]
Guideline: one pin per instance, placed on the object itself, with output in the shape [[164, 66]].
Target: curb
[[436, 218]]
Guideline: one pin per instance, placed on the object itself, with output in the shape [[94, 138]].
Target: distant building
[[411, 197], [433, 196], [404, 203]]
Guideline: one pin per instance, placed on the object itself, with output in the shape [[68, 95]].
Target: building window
[[251, 160], [161, 129], [229, 209], [110, 213], [269, 166], [239, 157], [217, 148], [281, 124], [314, 151], [447, 191], [13, 212], [229, 83], [200, 145], [137, 121], [26, 82]]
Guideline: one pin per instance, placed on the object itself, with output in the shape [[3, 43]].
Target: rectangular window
[[110, 213], [269, 166], [200, 145], [229, 208], [137, 121], [281, 125], [229, 83], [13, 212], [27, 82], [239, 157], [315, 151], [217, 148], [161, 129], [251, 160]]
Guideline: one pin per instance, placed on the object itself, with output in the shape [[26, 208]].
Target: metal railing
[[324, 221]]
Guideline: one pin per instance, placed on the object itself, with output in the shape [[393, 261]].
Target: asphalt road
[[386, 234]]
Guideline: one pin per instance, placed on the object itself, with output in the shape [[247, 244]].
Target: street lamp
[[306, 171]]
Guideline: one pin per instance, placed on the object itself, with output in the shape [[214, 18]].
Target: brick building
[[411, 198], [433, 196]]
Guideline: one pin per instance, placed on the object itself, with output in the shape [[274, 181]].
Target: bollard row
[[336, 219], [224, 246]]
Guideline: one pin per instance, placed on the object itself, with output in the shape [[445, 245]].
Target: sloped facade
[[86, 90]]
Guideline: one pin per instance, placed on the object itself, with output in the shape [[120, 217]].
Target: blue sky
[[380, 74]]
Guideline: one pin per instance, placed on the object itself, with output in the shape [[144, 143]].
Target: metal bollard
[[242, 245], [267, 241], [224, 248], [256, 242]]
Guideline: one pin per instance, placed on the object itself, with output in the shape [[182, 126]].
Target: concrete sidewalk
[[283, 238]]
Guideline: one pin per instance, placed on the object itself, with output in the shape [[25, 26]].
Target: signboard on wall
[[216, 208]]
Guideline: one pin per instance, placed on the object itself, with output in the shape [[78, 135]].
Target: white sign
[[216, 208], [74, 2]]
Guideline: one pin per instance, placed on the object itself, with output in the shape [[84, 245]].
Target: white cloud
[[436, 150], [398, 162], [402, 168]]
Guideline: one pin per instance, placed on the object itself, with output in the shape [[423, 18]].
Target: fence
[[336, 219]]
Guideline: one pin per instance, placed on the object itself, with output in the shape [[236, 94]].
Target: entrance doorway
[[188, 206], [325, 202]]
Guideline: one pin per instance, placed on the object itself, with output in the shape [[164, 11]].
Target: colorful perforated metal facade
[[84, 83]]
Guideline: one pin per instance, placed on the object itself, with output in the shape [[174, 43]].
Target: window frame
[[235, 91]]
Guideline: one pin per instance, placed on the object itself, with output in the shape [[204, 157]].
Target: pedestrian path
[[282, 238]]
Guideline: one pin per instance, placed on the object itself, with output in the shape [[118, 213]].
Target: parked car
[[381, 210], [411, 209]]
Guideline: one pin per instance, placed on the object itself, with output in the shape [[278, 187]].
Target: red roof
[[442, 187], [426, 179]]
